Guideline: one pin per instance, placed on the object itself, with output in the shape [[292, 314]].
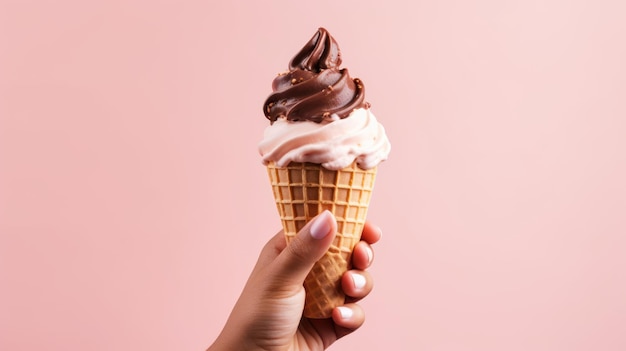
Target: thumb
[[294, 263]]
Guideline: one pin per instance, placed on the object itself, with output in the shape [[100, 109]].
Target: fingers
[[294, 262], [362, 255], [371, 233], [356, 284], [348, 318]]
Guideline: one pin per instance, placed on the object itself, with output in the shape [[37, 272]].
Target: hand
[[268, 314]]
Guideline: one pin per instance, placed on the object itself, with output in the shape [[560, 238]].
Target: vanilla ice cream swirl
[[334, 144]]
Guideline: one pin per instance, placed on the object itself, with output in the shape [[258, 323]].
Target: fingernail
[[321, 225], [358, 280], [370, 254], [345, 312]]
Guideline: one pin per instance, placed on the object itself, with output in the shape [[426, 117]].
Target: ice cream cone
[[302, 191]]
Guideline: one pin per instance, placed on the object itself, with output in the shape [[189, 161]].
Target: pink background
[[133, 203]]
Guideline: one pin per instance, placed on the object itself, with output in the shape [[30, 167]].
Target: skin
[[268, 314]]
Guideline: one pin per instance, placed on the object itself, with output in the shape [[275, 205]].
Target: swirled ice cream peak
[[318, 113]]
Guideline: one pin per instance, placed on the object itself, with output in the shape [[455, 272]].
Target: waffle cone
[[302, 191]]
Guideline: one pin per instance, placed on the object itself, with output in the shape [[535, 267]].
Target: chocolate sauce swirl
[[315, 88]]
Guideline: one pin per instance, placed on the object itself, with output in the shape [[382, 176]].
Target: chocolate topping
[[315, 88]]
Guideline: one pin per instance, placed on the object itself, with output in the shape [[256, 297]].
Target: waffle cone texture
[[304, 190]]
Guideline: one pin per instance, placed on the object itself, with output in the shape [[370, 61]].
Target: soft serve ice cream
[[318, 113], [322, 149]]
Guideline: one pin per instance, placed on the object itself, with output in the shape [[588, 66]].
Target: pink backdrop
[[133, 202]]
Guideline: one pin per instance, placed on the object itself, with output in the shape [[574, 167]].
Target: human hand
[[268, 314]]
